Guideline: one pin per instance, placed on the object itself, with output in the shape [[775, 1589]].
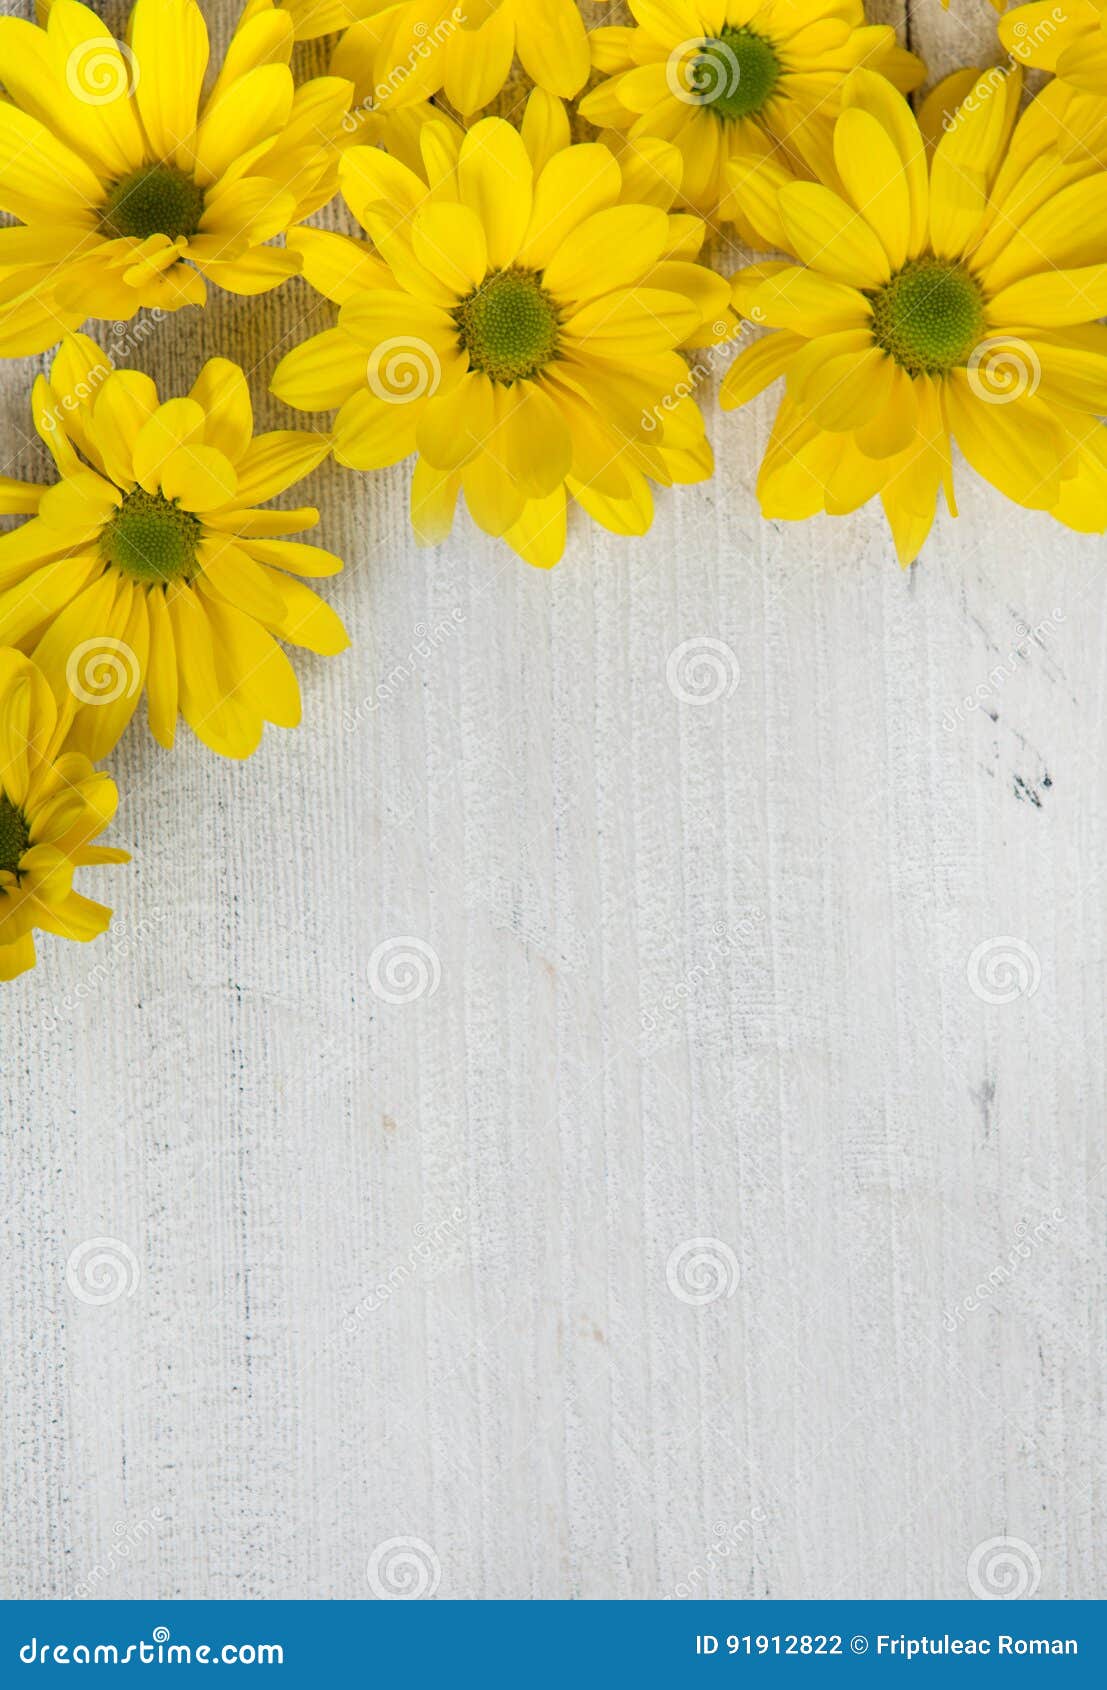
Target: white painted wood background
[[400, 1269]]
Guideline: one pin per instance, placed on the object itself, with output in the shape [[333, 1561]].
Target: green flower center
[[156, 200], [151, 539], [15, 835], [929, 316], [734, 73], [509, 325]]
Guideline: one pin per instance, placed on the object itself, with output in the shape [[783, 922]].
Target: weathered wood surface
[[703, 970]]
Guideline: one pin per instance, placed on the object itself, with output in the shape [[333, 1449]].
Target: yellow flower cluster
[[521, 307]]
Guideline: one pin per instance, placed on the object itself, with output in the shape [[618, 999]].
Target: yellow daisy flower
[[465, 48], [728, 79], [516, 328], [128, 187], [954, 299], [53, 804], [148, 564]]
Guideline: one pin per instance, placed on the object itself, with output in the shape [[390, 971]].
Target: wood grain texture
[[404, 1270]]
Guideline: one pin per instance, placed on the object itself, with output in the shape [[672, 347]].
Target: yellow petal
[[249, 111], [264, 676], [607, 250], [125, 403], [573, 186], [294, 556], [1017, 447], [538, 534], [321, 372], [1053, 299], [372, 431], [178, 422], [161, 674], [831, 236], [236, 577], [274, 461], [875, 179], [632, 320], [200, 478], [534, 442], [335, 265], [455, 425], [495, 180], [479, 60], [306, 620], [450, 242], [221, 392], [757, 367], [209, 703], [868, 92], [170, 43]]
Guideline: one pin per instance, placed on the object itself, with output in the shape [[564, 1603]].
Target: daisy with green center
[[148, 563], [464, 48], [515, 325], [931, 302], [53, 804], [729, 79], [129, 187]]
